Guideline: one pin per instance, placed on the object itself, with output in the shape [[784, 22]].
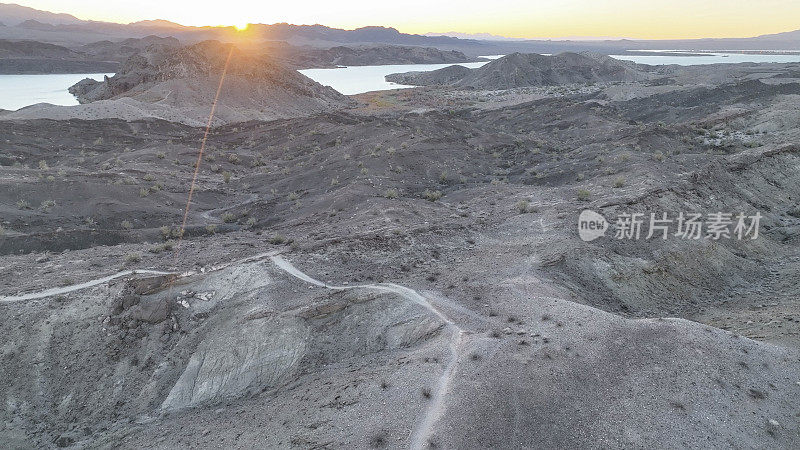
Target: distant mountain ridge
[[12, 14], [64, 29]]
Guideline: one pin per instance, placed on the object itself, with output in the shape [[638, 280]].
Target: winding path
[[421, 433], [78, 287], [423, 430]]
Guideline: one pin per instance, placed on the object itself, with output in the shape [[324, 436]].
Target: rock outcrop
[[182, 82], [530, 69]]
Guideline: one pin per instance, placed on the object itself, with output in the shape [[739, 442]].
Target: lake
[[358, 79], [23, 90], [708, 58]]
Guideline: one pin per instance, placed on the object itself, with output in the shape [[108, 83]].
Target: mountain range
[[23, 23]]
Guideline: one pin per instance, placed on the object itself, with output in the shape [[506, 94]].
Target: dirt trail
[[422, 432], [76, 287]]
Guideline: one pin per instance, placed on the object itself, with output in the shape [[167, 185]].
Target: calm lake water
[[708, 58], [358, 79], [17, 91], [24, 90]]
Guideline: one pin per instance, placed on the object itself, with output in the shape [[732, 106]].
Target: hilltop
[[530, 69], [179, 84]]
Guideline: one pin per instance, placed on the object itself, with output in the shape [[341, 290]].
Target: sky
[[641, 19]]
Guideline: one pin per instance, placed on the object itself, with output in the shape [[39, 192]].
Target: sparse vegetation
[[619, 182], [431, 196], [277, 239], [524, 206], [132, 258], [391, 193], [47, 205], [584, 195], [228, 217], [163, 247]]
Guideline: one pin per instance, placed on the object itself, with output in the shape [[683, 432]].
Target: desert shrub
[[251, 222], [144, 192], [126, 225], [277, 239], [228, 218], [431, 196], [619, 182], [132, 258], [391, 193], [166, 246], [523, 206], [211, 229], [148, 177], [22, 204], [161, 155], [233, 158], [584, 194], [43, 165], [226, 176], [47, 205]]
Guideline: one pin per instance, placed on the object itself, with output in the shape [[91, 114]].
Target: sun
[[241, 26]]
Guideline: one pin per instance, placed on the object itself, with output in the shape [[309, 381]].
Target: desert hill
[[531, 69], [179, 84], [31, 57]]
